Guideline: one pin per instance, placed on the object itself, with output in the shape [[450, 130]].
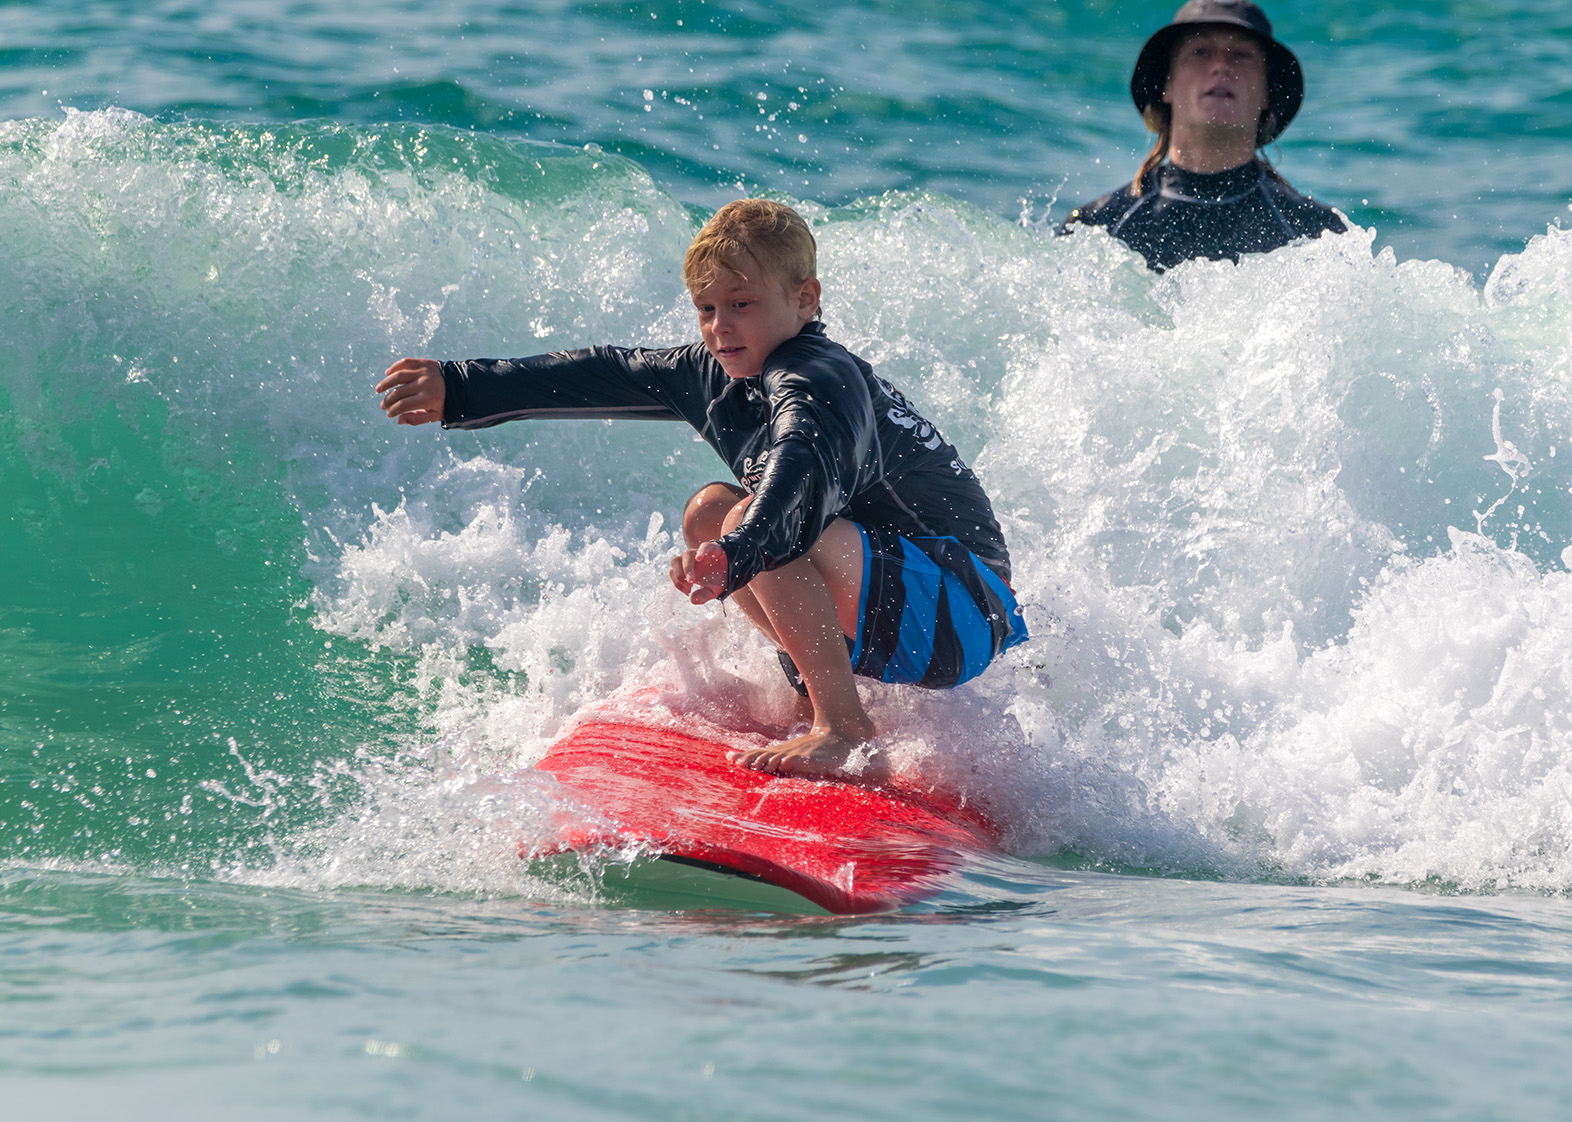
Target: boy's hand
[[415, 391], [700, 574]]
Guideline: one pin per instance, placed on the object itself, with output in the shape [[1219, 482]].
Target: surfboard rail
[[847, 847]]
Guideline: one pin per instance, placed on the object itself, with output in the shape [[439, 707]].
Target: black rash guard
[[815, 436], [1183, 214]]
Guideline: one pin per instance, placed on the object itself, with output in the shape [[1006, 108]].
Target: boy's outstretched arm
[[413, 391]]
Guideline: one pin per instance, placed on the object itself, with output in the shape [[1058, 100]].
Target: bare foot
[[819, 754]]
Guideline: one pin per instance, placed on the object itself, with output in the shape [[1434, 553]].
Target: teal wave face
[[149, 632], [195, 316], [165, 695]]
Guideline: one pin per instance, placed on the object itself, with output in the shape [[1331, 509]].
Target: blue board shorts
[[932, 614]]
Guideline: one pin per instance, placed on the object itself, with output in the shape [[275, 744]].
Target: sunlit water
[[1284, 767]]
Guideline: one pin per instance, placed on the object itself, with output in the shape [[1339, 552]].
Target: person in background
[[1216, 88]]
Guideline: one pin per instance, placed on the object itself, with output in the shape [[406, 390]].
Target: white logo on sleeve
[[902, 413], [753, 469]]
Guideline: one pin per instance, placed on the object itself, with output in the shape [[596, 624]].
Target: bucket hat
[[1285, 79]]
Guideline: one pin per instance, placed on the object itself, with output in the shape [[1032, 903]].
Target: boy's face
[[742, 321]]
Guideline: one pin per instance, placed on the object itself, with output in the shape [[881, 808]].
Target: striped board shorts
[[932, 614]]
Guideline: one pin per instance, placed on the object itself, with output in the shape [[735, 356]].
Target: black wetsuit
[[1183, 214], [815, 436]]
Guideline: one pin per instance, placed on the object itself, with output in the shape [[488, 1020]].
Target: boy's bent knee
[[704, 516], [734, 515]]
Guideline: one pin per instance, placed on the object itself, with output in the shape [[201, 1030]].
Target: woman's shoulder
[[1307, 214], [1105, 210]]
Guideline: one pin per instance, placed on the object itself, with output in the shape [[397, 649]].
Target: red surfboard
[[846, 847]]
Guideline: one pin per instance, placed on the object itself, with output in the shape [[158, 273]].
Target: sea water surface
[[1284, 768]]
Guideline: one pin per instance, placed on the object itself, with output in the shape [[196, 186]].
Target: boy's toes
[[818, 755], [806, 765], [756, 759]]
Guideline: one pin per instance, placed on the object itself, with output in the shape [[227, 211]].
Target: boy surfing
[[855, 539]]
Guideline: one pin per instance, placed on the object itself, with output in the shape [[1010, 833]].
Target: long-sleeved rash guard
[[1183, 214], [816, 436]]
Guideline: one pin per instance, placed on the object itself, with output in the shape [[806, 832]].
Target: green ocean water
[[1284, 767]]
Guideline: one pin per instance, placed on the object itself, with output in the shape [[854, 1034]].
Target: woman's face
[[1217, 78]]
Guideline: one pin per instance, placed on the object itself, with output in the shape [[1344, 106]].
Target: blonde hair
[[773, 234]]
